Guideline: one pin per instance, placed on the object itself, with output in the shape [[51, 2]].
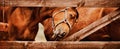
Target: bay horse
[[65, 23], [53, 27], [23, 21], [19, 19], [22, 24], [59, 22], [19, 23], [88, 16]]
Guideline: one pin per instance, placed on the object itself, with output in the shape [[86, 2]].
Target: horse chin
[[58, 35], [54, 36]]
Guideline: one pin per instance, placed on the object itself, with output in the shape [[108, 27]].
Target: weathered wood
[[94, 26], [58, 45], [11, 45], [62, 3]]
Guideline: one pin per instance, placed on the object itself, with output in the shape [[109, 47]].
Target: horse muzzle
[[58, 36]]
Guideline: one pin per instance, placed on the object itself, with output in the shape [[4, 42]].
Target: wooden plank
[[63, 3], [58, 45], [11, 45], [94, 26]]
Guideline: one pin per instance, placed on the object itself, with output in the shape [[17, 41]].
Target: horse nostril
[[62, 35], [54, 36]]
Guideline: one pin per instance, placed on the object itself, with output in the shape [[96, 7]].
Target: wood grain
[[58, 45], [62, 3]]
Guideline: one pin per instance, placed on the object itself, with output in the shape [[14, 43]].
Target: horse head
[[62, 21]]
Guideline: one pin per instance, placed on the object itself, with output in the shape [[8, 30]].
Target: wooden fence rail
[[59, 45], [61, 3]]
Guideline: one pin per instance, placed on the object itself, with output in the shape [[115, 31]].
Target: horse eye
[[71, 16]]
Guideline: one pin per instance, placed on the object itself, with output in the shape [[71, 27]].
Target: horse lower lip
[[54, 37], [60, 36]]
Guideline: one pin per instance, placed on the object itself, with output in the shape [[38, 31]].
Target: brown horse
[[60, 17], [19, 21], [23, 21], [59, 22], [89, 15], [104, 34], [48, 14], [63, 20]]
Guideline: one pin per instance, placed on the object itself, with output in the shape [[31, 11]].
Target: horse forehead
[[69, 11]]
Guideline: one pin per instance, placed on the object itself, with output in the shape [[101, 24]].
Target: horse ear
[[75, 9], [77, 15], [80, 4]]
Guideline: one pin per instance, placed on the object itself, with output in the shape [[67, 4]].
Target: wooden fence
[[61, 3], [67, 43], [59, 45]]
